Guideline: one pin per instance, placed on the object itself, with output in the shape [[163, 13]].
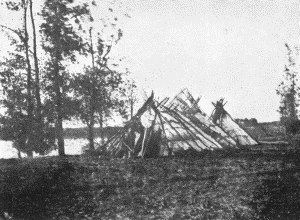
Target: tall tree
[[14, 100], [14, 121], [108, 102], [98, 93], [61, 41], [29, 77], [24, 37], [288, 90], [98, 88], [38, 128]]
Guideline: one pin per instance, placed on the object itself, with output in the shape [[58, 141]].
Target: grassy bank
[[203, 187]]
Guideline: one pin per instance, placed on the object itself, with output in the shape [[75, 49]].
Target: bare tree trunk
[[91, 124], [59, 125], [29, 84], [19, 154], [39, 120], [57, 81], [101, 127], [92, 101], [92, 50], [91, 136], [131, 108]]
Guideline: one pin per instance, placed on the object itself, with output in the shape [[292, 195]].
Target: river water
[[72, 147]]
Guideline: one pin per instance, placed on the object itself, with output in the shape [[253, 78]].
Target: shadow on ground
[[33, 192]]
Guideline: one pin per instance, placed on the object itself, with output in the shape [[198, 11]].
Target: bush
[[292, 127]]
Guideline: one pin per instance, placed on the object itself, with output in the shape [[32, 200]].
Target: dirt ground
[[243, 185]]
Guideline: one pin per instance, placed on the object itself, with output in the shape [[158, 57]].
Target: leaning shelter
[[158, 130], [223, 119]]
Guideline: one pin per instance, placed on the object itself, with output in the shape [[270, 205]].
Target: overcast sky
[[231, 49], [215, 48]]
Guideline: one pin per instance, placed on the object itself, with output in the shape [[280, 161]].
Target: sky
[[230, 49], [215, 48]]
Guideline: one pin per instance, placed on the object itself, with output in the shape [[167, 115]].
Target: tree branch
[[105, 58], [15, 31]]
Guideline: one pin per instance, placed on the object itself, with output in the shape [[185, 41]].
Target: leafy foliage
[[97, 89], [58, 28], [62, 21], [35, 104], [20, 121], [288, 90], [14, 123], [103, 84]]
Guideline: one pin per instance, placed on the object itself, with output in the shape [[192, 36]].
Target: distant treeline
[[247, 122], [265, 130]]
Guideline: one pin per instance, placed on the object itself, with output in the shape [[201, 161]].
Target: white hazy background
[[231, 49], [215, 48]]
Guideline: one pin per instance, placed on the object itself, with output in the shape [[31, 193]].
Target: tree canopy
[[288, 90], [40, 92]]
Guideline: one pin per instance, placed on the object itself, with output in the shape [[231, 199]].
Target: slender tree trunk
[[29, 84], [39, 120], [57, 87], [131, 108], [93, 99], [92, 50], [91, 136], [101, 127], [59, 125], [92, 122], [19, 154]]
